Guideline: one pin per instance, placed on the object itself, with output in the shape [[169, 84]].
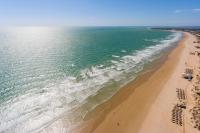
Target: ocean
[[48, 73]]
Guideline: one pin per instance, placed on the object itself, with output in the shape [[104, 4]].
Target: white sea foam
[[115, 56], [152, 40], [38, 108], [123, 51]]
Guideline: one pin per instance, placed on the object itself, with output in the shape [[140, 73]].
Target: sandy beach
[[146, 104]]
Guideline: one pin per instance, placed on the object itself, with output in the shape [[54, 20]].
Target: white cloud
[[196, 10], [187, 11], [178, 11]]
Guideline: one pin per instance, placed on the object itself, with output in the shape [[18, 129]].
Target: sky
[[100, 12]]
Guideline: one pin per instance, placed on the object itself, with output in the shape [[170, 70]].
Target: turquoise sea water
[[46, 73]]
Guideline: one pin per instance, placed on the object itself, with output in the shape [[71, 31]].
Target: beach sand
[[145, 105]]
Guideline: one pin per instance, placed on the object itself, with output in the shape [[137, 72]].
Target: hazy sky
[[99, 12]]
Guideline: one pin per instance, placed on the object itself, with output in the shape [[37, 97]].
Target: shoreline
[[129, 108]]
